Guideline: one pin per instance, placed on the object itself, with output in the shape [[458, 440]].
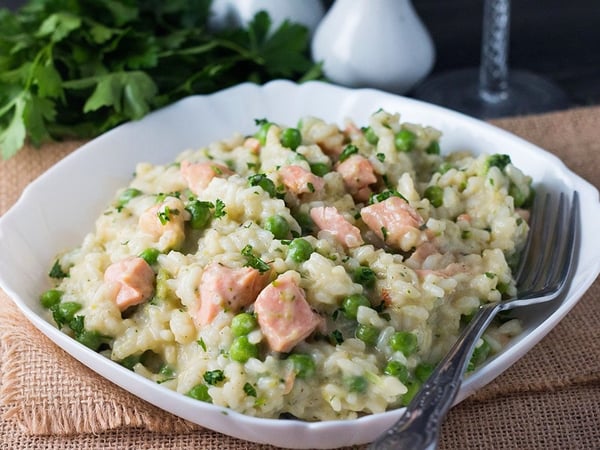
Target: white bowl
[[56, 211]]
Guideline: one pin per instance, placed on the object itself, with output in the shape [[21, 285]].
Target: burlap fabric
[[549, 399]]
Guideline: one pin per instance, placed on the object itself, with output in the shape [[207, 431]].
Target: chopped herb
[[336, 337], [311, 187], [219, 208], [263, 129], [490, 275], [364, 275], [126, 196], [497, 160], [465, 234], [249, 390], [380, 157], [384, 233], [201, 343], [254, 261], [433, 148], [370, 135], [349, 150], [56, 271], [165, 215], [384, 195], [213, 377]]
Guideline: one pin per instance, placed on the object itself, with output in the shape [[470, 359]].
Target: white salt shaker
[[374, 43]]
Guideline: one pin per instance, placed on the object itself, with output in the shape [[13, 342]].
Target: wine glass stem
[[493, 72]]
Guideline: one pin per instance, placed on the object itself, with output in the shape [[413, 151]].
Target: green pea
[[422, 371], [242, 349], [404, 140], [91, 339], [364, 275], [433, 148], [50, 298], [351, 303], [150, 255], [371, 136], [243, 323], [304, 365], [200, 392], [127, 195], [398, 370], [300, 250], [260, 179], [404, 341], [277, 225], [291, 138], [306, 223], [320, 169], [64, 312], [263, 129], [367, 333], [435, 195], [200, 213], [358, 384], [413, 387]]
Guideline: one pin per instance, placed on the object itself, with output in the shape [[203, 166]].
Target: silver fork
[[545, 268]]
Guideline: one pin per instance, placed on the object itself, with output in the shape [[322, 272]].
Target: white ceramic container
[[374, 43]]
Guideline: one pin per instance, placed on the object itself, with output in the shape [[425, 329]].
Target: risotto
[[314, 272]]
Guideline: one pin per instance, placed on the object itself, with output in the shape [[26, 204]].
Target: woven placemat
[[49, 400]]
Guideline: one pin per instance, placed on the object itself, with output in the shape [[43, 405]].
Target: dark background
[[558, 39]]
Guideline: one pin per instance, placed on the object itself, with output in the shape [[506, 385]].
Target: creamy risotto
[[314, 271]]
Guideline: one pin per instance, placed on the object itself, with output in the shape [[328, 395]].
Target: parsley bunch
[[76, 68]]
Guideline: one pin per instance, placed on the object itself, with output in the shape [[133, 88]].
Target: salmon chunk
[[164, 223], [222, 288], [284, 316], [198, 175], [328, 218], [299, 180], [392, 220], [135, 279], [358, 174]]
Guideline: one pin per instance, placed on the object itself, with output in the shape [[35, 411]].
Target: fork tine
[[567, 255], [553, 249], [551, 241], [538, 237]]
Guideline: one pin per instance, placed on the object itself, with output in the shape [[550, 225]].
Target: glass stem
[[493, 72]]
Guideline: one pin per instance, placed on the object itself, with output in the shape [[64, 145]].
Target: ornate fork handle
[[418, 428]]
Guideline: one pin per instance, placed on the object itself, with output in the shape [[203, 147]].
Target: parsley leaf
[[254, 261], [78, 68]]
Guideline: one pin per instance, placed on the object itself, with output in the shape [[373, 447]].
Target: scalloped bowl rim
[[198, 120]]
